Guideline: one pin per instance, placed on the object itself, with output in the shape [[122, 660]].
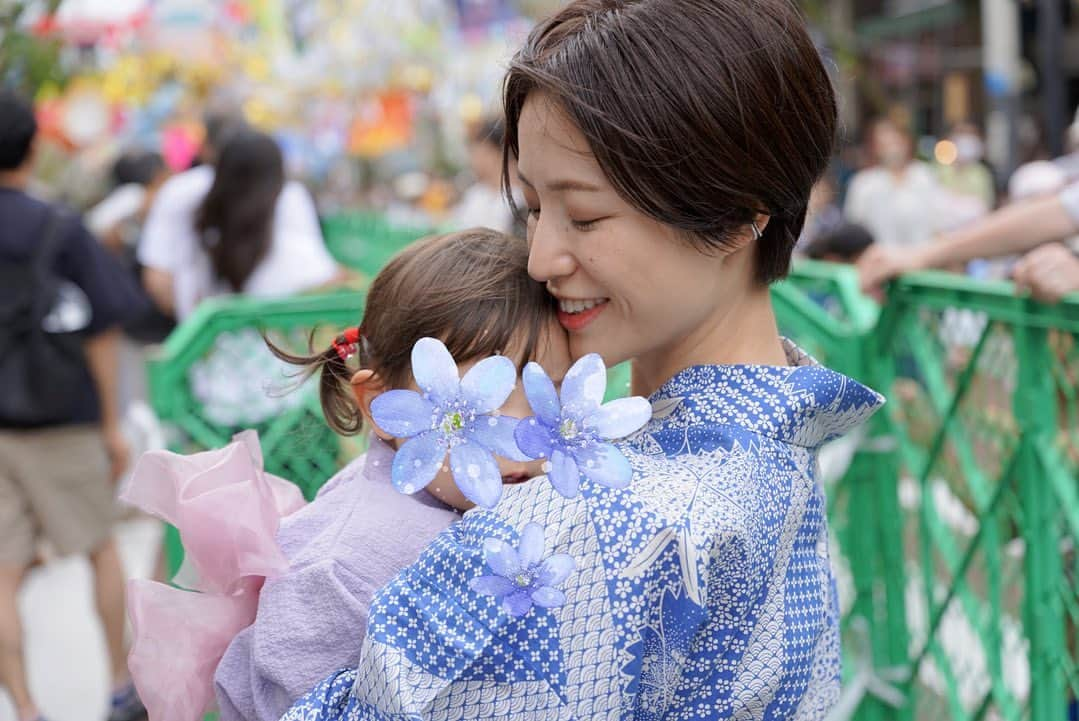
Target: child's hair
[[469, 289]]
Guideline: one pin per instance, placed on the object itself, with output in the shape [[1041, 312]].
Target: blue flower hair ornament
[[572, 431], [451, 415]]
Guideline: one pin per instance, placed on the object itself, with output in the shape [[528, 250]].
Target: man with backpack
[[62, 298]]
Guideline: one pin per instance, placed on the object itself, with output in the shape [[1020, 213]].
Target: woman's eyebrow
[[559, 186]]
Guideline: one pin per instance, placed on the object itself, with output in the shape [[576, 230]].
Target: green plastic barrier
[[366, 241], [958, 518]]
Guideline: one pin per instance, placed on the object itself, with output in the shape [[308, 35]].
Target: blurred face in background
[[485, 160], [969, 147], [891, 146]]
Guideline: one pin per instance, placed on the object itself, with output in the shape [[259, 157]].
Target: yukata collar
[[803, 403], [379, 459], [378, 466]]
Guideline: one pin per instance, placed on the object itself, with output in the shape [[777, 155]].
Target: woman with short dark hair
[[667, 149]]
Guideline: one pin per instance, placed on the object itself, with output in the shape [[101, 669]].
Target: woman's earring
[[756, 230]]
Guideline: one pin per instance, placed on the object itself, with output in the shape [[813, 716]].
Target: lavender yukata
[[341, 548], [702, 591]]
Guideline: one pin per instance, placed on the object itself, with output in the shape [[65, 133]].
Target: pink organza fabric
[[227, 509]]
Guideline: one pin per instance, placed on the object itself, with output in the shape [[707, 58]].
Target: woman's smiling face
[[627, 285]]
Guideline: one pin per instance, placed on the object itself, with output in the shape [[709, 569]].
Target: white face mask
[[969, 148]]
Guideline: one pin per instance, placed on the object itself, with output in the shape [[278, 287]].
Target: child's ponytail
[[335, 376]]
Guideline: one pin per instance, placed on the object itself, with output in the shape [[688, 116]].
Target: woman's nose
[[548, 256]]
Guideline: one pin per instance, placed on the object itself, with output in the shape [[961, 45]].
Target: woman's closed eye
[[585, 225]]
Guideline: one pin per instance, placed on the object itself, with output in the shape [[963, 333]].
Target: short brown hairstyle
[[701, 113], [469, 289]]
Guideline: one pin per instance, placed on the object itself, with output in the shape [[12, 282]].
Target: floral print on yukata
[[702, 591]]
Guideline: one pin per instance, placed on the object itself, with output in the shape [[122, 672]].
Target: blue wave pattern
[[704, 590]]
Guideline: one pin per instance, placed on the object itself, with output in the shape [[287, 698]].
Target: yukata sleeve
[[310, 623], [434, 645]]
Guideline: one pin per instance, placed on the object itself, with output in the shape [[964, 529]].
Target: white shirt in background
[[899, 212], [297, 259], [122, 204]]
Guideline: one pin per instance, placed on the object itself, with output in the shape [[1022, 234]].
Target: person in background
[[57, 474], [236, 226], [894, 198], [1049, 271], [967, 182], [845, 244], [136, 177], [484, 204], [823, 217]]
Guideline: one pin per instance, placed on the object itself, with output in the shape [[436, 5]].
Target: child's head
[[471, 290]]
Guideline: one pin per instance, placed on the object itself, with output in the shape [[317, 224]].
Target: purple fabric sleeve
[[349, 542]]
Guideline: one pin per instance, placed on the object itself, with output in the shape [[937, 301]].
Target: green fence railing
[[958, 517], [366, 241], [955, 511]]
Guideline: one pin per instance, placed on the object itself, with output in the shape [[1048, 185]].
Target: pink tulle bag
[[227, 510]]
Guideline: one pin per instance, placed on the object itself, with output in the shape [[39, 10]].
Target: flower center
[[523, 579], [453, 422], [568, 429]]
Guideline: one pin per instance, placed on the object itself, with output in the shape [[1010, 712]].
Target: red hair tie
[[348, 343]]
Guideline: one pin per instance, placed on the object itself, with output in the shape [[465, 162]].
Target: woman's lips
[[515, 478], [578, 321]]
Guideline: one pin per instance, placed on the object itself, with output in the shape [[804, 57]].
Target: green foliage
[[28, 62]]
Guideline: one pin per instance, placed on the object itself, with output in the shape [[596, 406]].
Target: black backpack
[[42, 364]]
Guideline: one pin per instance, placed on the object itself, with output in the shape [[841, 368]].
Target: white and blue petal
[[531, 545], [502, 558], [488, 384], [492, 585], [435, 370], [498, 435], [534, 439], [620, 418], [604, 464], [547, 597], [401, 413], [417, 462], [541, 394], [476, 474], [555, 569], [563, 474], [585, 383], [517, 604]]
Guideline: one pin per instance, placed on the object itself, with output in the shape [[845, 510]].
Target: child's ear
[[366, 386]]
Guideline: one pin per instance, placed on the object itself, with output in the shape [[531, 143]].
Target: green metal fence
[[955, 520], [958, 518]]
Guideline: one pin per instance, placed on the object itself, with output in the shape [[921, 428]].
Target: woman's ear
[[760, 222], [366, 386], [752, 232]]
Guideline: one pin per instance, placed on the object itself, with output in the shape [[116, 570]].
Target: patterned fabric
[[703, 591]]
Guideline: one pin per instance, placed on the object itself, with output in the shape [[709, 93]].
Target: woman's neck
[[745, 333]]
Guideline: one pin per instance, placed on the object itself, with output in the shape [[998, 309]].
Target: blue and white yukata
[[702, 591]]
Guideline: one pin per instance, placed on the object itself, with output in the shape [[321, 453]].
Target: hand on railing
[[1049, 272], [880, 264]]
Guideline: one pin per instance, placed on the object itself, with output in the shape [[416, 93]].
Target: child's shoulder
[[345, 476], [358, 511]]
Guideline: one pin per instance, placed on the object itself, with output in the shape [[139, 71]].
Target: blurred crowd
[[899, 213]]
